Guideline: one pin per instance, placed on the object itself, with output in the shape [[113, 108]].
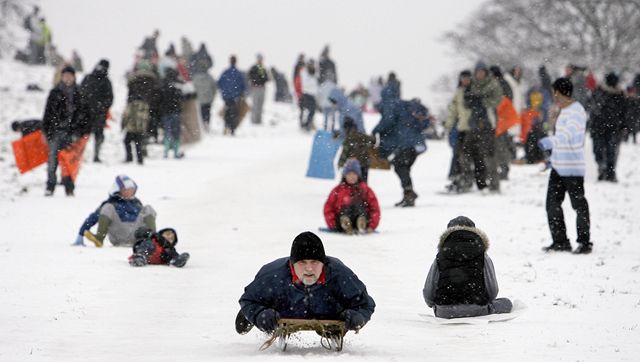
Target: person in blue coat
[[400, 131], [347, 109], [305, 285], [232, 85]]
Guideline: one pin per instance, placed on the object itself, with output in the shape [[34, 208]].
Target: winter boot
[[345, 224], [361, 224], [557, 247], [180, 260], [584, 248], [243, 326], [94, 239]]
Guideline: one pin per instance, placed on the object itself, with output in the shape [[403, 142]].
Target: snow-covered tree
[[594, 33]]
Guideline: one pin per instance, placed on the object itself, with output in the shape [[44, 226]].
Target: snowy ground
[[238, 202]]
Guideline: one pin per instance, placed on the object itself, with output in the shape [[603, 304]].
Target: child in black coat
[[157, 248]]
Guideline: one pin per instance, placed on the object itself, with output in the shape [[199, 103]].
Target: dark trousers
[[352, 212], [56, 143], [605, 149], [136, 138], [205, 112], [98, 137], [558, 186], [309, 104], [402, 166], [231, 114]]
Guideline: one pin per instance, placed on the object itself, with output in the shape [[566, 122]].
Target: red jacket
[[344, 195]]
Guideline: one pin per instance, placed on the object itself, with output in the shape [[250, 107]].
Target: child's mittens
[[137, 260], [79, 241]]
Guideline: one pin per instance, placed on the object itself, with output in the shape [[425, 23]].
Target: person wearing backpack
[[135, 121]]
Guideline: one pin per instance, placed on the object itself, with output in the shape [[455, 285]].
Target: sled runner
[[323, 153], [331, 332], [518, 309]]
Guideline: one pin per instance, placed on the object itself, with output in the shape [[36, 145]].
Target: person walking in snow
[[232, 87], [400, 131], [97, 91], [608, 114], [309, 93], [258, 77], [171, 110], [65, 120], [567, 170], [462, 280], [352, 206], [118, 217], [157, 248], [307, 285]]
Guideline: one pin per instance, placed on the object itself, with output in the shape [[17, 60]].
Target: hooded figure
[[462, 281], [118, 217], [347, 109]]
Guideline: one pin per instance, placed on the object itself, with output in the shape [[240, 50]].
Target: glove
[[79, 241], [353, 320], [545, 143], [267, 320]]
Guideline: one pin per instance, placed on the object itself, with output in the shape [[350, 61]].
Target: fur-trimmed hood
[[451, 230]]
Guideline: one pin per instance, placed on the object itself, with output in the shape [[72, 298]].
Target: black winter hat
[[563, 86], [461, 221], [611, 79], [104, 64], [307, 245], [68, 69]]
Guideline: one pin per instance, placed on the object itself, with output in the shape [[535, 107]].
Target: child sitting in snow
[[462, 281], [352, 206], [157, 248], [118, 217]]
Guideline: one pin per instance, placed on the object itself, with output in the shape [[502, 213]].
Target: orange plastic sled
[[30, 151], [71, 157], [507, 116]]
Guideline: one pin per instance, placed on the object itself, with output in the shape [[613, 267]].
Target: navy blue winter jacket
[[399, 129], [231, 84], [273, 288], [128, 211]]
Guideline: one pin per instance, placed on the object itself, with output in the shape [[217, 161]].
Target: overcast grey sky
[[367, 38]]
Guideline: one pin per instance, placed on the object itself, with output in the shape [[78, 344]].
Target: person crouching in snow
[[157, 248], [119, 216], [307, 284], [352, 206], [462, 281]]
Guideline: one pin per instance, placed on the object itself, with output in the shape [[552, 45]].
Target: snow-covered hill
[[238, 202]]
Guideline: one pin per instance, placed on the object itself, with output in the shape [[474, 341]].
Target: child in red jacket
[[157, 248], [352, 206]]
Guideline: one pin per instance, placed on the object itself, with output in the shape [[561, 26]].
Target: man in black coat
[[608, 112], [64, 121], [98, 93], [306, 285]]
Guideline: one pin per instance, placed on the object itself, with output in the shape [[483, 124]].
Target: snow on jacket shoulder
[[344, 195], [273, 287]]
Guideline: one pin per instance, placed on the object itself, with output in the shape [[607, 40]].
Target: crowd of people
[[491, 114]]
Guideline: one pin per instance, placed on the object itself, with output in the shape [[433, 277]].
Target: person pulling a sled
[[352, 206], [462, 281], [306, 285]]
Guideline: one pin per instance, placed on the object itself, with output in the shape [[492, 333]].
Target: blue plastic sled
[[323, 154]]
